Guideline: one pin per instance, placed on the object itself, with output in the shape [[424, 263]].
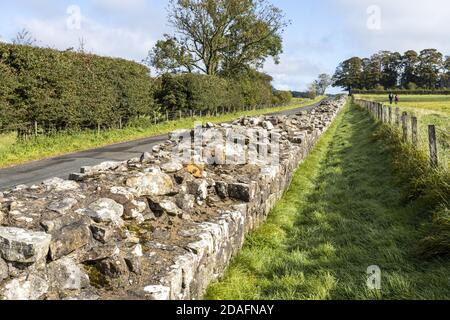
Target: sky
[[322, 33]]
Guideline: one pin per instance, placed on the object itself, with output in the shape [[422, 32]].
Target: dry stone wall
[[151, 227]]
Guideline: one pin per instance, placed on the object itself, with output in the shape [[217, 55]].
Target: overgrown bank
[[344, 212]]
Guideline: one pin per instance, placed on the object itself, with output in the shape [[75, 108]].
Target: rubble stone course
[[151, 227]]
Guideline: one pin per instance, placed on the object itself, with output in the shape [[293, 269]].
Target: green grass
[[13, 152], [343, 212]]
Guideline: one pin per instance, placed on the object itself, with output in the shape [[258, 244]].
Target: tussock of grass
[[430, 187], [343, 213], [13, 153]]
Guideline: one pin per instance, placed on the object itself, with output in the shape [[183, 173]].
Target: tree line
[[386, 70]]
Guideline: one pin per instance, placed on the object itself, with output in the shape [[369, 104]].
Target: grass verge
[[343, 213], [13, 153]]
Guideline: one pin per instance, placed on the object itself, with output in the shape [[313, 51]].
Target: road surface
[[37, 171]]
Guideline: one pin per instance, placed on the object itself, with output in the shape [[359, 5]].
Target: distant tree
[[348, 74], [312, 90], [410, 61], [323, 83], [428, 71], [219, 35], [390, 68], [446, 73], [371, 73], [24, 37]]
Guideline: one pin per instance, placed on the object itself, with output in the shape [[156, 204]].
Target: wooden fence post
[[405, 126], [397, 116], [35, 129], [414, 131], [390, 114], [181, 115], [433, 145]]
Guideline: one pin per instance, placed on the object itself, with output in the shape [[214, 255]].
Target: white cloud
[[99, 38], [405, 24]]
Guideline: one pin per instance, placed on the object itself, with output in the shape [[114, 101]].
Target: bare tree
[[25, 38]]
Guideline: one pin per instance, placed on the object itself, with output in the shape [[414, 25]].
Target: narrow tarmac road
[[38, 171]]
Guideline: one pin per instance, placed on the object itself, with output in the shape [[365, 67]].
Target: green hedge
[[403, 91], [198, 92], [67, 90]]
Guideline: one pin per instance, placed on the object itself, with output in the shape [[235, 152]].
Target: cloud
[[405, 24], [100, 39], [293, 72]]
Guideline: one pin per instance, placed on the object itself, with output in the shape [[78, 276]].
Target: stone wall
[[148, 228]]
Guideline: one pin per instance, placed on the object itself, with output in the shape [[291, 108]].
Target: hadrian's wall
[[154, 227]]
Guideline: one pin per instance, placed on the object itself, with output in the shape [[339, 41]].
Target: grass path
[[13, 153], [343, 213]]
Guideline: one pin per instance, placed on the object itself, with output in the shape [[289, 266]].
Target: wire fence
[[414, 129], [26, 130]]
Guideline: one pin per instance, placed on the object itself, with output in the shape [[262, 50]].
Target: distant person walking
[[397, 99], [391, 98]]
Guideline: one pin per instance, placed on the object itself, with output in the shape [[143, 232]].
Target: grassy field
[[343, 213], [13, 152], [431, 103], [429, 109]]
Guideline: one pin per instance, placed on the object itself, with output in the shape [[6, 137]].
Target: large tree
[[348, 74], [410, 60], [390, 68], [429, 68], [371, 73], [213, 36]]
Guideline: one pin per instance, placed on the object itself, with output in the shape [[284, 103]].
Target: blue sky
[[322, 33]]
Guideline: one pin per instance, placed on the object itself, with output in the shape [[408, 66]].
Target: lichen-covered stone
[[19, 245], [68, 239], [106, 210], [151, 184]]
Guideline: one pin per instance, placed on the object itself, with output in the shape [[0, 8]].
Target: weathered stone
[[152, 184], [113, 267], [2, 217], [164, 206], [4, 272], [267, 125], [104, 166], [51, 223], [58, 185], [102, 233], [133, 259], [185, 202], [242, 191], [196, 171], [106, 210], [172, 166], [198, 188], [134, 210], [222, 189], [100, 252], [69, 239], [157, 292], [19, 245], [63, 206], [145, 157], [65, 274], [31, 287]]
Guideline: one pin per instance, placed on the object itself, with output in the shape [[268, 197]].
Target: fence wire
[[414, 127]]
